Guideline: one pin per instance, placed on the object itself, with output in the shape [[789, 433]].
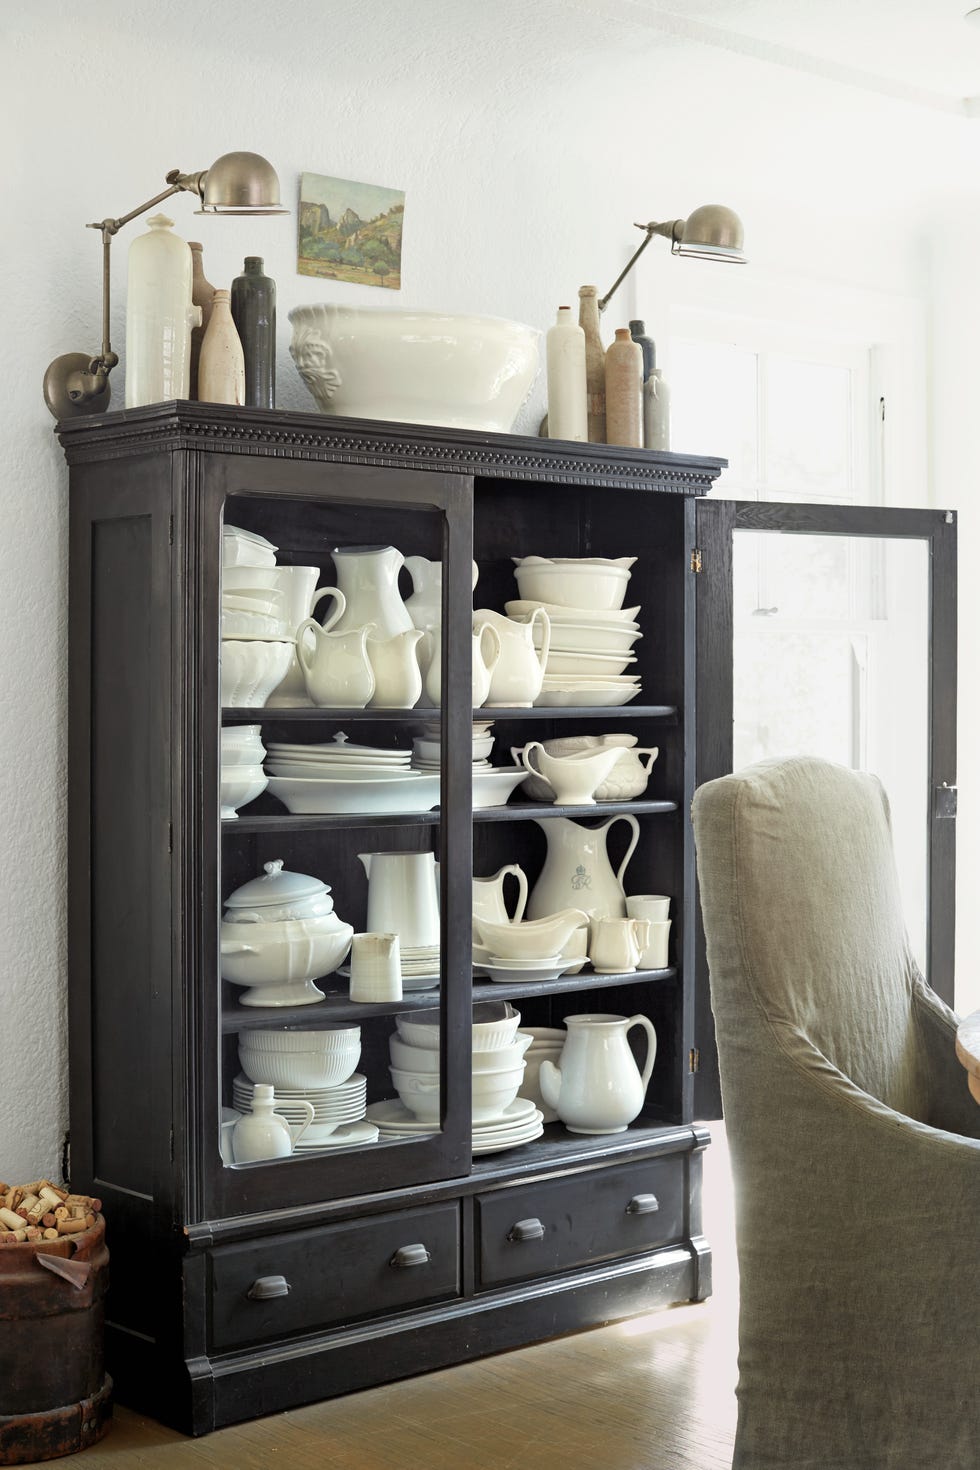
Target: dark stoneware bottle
[[638, 332], [253, 310]]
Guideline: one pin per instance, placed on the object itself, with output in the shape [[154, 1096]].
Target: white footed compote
[[375, 968], [336, 667]]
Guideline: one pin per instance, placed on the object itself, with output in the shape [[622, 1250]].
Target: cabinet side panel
[[121, 847]]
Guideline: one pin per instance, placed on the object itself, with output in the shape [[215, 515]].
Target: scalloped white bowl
[[415, 367]]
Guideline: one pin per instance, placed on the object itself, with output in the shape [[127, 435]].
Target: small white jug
[[397, 676], [264, 1134], [615, 945], [336, 668], [485, 656], [519, 671]]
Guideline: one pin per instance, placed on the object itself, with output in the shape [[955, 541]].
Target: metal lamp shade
[[241, 183], [712, 232]]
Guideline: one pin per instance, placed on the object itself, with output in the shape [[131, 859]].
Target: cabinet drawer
[[557, 1224], [309, 1279]]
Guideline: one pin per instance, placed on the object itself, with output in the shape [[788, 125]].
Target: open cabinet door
[[830, 630]]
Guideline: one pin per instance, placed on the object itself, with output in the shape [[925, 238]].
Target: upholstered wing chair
[[855, 1143]]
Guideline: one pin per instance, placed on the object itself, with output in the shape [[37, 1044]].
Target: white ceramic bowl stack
[[256, 644], [243, 776], [338, 1093], [491, 785], [590, 659], [341, 776], [546, 1044], [500, 1118]]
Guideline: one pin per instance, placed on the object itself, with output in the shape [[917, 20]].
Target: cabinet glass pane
[[815, 674]]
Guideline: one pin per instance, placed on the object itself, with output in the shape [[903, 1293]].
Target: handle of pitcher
[[631, 821], [339, 609], [521, 877], [647, 1025]]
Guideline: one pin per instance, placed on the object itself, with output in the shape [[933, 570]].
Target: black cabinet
[[241, 1290]]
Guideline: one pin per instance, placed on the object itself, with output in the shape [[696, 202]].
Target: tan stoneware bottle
[[202, 295], [595, 363], [221, 377], [624, 391]]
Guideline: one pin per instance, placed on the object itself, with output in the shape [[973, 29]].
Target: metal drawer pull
[[643, 1204], [526, 1230], [409, 1255], [267, 1287]]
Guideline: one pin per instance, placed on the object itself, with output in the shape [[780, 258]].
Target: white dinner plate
[[591, 698]]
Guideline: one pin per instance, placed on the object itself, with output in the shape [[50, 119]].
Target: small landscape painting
[[350, 231]]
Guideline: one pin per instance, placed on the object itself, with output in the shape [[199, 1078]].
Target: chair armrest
[[952, 1105]]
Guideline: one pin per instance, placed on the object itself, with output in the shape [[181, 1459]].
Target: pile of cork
[[42, 1211]]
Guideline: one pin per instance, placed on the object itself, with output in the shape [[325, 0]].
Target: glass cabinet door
[[341, 855], [831, 631]]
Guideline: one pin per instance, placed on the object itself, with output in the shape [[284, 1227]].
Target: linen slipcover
[[855, 1144]]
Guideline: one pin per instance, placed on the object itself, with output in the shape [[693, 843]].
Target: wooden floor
[[653, 1393]]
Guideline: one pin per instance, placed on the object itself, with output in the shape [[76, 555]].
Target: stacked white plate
[[518, 1123], [338, 1112], [341, 776]]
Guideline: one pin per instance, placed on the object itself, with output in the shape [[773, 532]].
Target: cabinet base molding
[[205, 1394]]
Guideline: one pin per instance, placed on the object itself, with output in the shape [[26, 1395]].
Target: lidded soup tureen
[[279, 934], [278, 894]]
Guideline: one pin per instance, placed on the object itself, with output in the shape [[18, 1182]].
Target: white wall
[[527, 137]]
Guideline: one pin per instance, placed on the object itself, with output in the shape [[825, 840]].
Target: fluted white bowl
[[415, 367]]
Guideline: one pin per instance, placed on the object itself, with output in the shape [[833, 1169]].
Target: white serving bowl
[[242, 746], [246, 549], [493, 787], [531, 939], [251, 669], [239, 786], [383, 794], [298, 1069], [415, 367], [495, 1026], [242, 580], [332, 1039], [420, 1059], [590, 586], [253, 625], [492, 1093], [431, 749], [267, 602]]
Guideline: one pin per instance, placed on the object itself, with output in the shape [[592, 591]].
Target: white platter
[[577, 664], [516, 974], [342, 750], [493, 787], [334, 771], [345, 1136], [323, 797], [591, 698]]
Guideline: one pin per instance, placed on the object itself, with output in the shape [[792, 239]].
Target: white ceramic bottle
[[656, 411], [160, 315], [221, 376], [567, 403]]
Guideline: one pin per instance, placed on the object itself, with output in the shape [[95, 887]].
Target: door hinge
[[945, 801], [694, 1060], [695, 559]]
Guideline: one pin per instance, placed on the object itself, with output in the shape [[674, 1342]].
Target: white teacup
[[654, 906], [375, 968], [654, 953]]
